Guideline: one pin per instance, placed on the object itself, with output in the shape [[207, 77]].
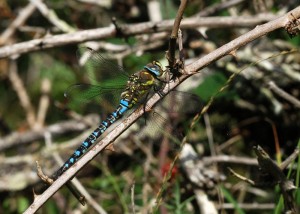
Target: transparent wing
[[176, 108], [100, 68], [107, 78], [84, 93], [179, 102]]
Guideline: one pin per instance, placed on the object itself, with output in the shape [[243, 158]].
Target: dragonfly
[[133, 89]]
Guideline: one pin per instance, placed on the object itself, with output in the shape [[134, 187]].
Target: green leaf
[[231, 199], [211, 86], [23, 204]]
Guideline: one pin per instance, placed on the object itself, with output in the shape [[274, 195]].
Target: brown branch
[[275, 176], [247, 206], [18, 138], [230, 159], [130, 30], [284, 94], [289, 159], [19, 21], [44, 102], [75, 186], [69, 184], [218, 7], [191, 69], [174, 34], [241, 41], [21, 91], [242, 178], [51, 16]]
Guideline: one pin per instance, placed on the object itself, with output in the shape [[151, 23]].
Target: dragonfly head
[[155, 68]]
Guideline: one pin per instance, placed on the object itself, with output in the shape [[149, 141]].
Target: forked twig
[[270, 169], [69, 184]]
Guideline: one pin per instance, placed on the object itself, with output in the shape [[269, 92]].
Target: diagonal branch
[[241, 41], [17, 23]]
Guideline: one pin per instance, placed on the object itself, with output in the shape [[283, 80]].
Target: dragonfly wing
[[85, 93], [181, 102], [99, 67], [171, 110]]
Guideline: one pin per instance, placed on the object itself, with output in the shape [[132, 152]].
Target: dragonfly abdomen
[[137, 86], [91, 139]]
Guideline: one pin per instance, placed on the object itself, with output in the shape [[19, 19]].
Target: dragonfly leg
[[158, 90]]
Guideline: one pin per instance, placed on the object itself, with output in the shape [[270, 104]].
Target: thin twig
[[289, 159], [180, 48], [283, 94], [132, 198], [276, 140], [218, 7], [17, 138], [44, 102], [24, 14], [21, 91], [174, 34], [239, 42], [247, 206], [230, 159], [52, 17], [249, 181], [195, 173], [209, 133]]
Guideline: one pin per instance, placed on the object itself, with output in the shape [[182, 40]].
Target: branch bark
[[129, 30], [17, 138]]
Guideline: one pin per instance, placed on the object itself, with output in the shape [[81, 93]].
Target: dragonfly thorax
[[141, 82], [137, 86]]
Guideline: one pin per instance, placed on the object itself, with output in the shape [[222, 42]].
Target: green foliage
[[211, 85], [280, 205], [168, 9], [8, 205], [23, 204], [176, 205], [295, 41], [59, 73], [230, 198], [297, 183], [50, 207]]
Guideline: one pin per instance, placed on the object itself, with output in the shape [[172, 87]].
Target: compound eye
[[155, 68]]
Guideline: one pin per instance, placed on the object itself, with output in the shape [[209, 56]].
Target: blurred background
[[38, 123]]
